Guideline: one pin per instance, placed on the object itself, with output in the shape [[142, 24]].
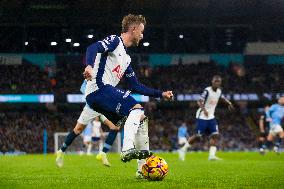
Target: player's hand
[[88, 73], [168, 95]]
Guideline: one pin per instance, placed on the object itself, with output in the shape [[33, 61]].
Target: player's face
[[138, 34], [281, 101], [216, 82]]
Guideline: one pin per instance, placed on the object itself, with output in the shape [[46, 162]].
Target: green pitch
[[237, 170]]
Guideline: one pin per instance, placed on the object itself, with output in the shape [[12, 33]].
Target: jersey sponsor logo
[[117, 71], [130, 75]]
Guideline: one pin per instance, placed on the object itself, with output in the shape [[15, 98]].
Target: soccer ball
[[155, 168]]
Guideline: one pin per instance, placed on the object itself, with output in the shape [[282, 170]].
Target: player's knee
[[137, 106], [195, 138], [79, 128]]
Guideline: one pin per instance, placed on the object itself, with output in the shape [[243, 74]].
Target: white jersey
[[211, 99], [96, 129], [110, 65]]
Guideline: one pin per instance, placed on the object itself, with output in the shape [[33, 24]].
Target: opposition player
[[263, 129], [87, 137], [182, 141], [108, 62], [87, 115], [97, 133], [205, 118], [275, 114]]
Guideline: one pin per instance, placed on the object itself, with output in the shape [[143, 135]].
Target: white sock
[[185, 147], [180, 154], [130, 128], [212, 151], [89, 149], [101, 145], [140, 163]]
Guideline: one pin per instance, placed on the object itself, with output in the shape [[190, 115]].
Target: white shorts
[[96, 132], [182, 140], [87, 115], [275, 129], [87, 139]]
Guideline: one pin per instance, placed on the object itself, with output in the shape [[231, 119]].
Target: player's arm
[[108, 123], [227, 102], [109, 44], [201, 102], [269, 112], [142, 89]]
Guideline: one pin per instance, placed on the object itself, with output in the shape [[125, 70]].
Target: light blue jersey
[[276, 114], [182, 132], [83, 89], [88, 130]]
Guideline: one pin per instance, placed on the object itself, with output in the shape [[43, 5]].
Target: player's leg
[[269, 141], [142, 143], [280, 134], [101, 144], [213, 147], [281, 138], [117, 101], [106, 146], [270, 138], [68, 141], [200, 130], [89, 146], [261, 143], [184, 145], [86, 116], [130, 130], [214, 137], [109, 142]]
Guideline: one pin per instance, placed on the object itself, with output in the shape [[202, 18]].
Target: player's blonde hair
[[131, 19]]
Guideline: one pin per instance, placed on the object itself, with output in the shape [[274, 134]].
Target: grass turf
[[237, 170]]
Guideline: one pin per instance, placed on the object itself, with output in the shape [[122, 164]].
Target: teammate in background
[[275, 114], [182, 141], [97, 133], [87, 115], [264, 129], [87, 138], [206, 122], [108, 62]]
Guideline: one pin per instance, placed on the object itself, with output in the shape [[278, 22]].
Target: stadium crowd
[[25, 131], [183, 78], [25, 78]]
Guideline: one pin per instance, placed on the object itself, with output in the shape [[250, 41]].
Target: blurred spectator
[[24, 131]]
